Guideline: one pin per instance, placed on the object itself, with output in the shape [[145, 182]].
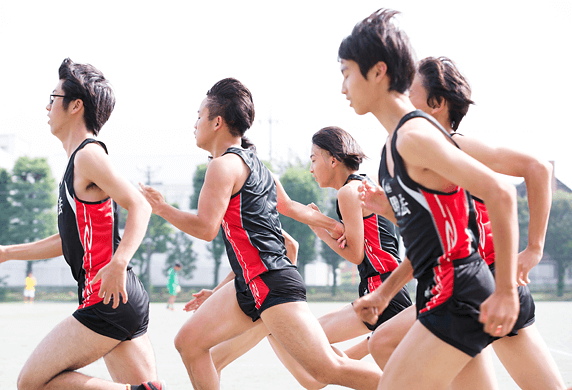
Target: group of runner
[[467, 295]]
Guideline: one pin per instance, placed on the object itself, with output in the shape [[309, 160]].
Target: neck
[[220, 145], [391, 108], [72, 138], [341, 176]]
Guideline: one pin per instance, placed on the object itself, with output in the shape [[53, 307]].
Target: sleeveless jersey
[[252, 229], [89, 233], [436, 227], [379, 240], [486, 246]]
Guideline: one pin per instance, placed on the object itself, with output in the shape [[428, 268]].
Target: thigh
[[342, 325], [218, 319], [436, 363], [69, 346], [478, 374], [528, 361], [388, 335], [132, 361], [295, 327], [228, 351]]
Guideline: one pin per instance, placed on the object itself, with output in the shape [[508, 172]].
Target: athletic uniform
[[437, 230], [264, 276], [380, 258], [487, 251], [90, 235]]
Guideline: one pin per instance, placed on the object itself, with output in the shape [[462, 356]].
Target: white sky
[[162, 57]]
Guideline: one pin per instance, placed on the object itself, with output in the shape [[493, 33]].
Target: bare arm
[[350, 208], [424, 148], [200, 297], [537, 175], [220, 179], [43, 249], [94, 165], [370, 306], [301, 213]]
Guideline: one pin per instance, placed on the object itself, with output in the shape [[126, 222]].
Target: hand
[[499, 312], [198, 300], [153, 196], [373, 198], [527, 259], [337, 232], [369, 307], [342, 241], [112, 278]]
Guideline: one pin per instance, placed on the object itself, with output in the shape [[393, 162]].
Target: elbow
[[209, 235]]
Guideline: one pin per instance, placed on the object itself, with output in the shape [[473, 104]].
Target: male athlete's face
[[418, 95], [358, 90], [320, 166], [202, 125], [56, 113]]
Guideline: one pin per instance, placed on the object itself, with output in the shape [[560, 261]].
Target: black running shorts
[[270, 289], [128, 321]]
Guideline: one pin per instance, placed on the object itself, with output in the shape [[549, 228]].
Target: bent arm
[[301, 213]]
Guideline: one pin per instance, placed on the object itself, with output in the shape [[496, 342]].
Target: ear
[[380, 70], [439, 108], [76, 106], [217, 123], [333, 161]]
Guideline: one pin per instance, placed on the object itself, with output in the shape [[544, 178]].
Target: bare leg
[[342, 325], [297, 330], [68, 347], [218, 319], [389, 334], [171, 302], [528, 360], [436, 363], [228, 351], [132, 361], [478, 374], [358, 351]]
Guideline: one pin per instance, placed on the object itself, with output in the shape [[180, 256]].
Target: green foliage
[[523, 218], [559, 235], [159, 235], [6, 209], [33, 196], [181, 251], [329, 256], [301, 187], [198, 180]]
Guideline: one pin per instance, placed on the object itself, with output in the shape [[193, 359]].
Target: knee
[[380, 347]]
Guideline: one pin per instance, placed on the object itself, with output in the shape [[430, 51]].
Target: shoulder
[[349, 193], [90, 154]]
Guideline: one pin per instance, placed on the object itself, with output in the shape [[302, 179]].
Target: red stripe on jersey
[[95, 226], [486, 245], [246, 254], [443, 289], [380, 260], [450, 214], [373, 283], [259, 291]]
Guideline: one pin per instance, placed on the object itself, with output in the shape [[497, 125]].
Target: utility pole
[[147, 240]]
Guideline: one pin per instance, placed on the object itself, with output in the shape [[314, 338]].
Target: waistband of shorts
[[429, 274]]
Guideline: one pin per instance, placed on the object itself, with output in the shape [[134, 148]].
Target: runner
[[439, 89], [112, 317], [425, 176], [240, 193]]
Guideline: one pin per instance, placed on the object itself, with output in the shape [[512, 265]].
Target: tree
[[301, 187], [329, 256], [6, 208], [33, 196], [559, 236], [181, 251], [158, 236]]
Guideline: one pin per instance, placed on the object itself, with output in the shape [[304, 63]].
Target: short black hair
[[442, 80], [231, 100], [341, 145], [85, 82], [377, 38]]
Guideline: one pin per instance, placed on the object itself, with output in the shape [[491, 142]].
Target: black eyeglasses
[[54, 96]]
